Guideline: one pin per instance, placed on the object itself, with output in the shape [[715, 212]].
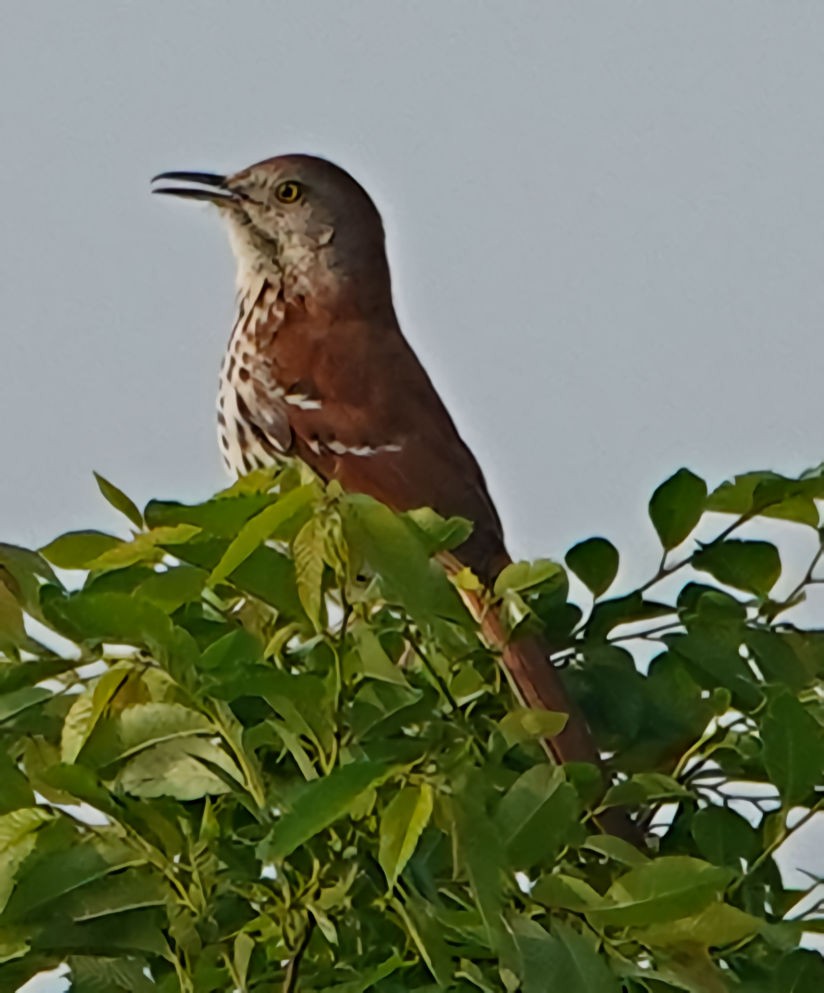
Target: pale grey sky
[[606, 223]]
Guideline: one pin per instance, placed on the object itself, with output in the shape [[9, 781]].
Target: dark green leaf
[[747, 565], [482, 855], [320, 804], [391, 548], [793, 748], [222, 516], [564, 960], [802, 971], [535, 817], [676, 507], [724, 837], [608, 614], [595, 563]]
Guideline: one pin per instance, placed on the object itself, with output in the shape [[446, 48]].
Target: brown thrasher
[[317, 367]]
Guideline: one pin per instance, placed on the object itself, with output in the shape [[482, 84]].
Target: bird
[[317, 367]]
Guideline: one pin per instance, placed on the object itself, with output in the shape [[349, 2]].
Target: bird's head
[[297, 217]]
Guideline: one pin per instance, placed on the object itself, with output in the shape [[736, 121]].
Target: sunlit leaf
[[308, 551], [664, 889], [294, 506], [402, 823], [78, 549]]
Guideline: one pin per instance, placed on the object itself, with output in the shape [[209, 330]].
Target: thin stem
[[665, 572], [290, 980], [775, 844]]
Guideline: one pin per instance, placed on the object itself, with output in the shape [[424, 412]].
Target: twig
[[290, 980]]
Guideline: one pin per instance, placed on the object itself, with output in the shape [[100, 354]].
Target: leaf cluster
[[259, 744]]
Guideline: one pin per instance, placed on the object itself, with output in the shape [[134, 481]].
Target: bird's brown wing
[[361, 409]]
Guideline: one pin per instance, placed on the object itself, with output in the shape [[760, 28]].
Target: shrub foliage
[[258, 745]]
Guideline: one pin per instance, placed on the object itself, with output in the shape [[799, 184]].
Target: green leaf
[[120, 619], [771, 495], [12, 629], [716, 926], [229, 654], [118, 499], [664, 889], [14, 703], [536, 815], [529, 723], [143, 724], [56, 873], [482, 856], [753, 566], [519, 576], [802, 971], [724, 837], [676, 507], [595, 563], [23, 572], [135, 931], [371, 660], [793, 748], [16, 791], [308, 550], [616, 849], [86, 711], [390, 546], [608, 614], [169, 590], [321, 803], [78, 549], [267, 524], [18, 836], [440, 534], [564, 960], [563, 892], [401, 826], [95, 974], [186, 769], [149, 546], [370, 977], [223, 516], [644, 787]]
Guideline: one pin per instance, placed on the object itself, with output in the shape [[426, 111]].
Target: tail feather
[[537, 684]]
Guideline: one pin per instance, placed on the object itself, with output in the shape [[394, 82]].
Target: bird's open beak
[[196, 186]]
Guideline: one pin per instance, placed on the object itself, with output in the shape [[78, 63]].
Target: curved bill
[[208, 186]]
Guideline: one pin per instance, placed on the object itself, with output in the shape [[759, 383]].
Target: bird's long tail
[[537, 683]]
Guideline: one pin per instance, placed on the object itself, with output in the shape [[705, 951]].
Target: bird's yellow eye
[[289, 192]]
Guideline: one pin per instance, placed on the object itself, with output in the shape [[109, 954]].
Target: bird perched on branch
[[317, 367]]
